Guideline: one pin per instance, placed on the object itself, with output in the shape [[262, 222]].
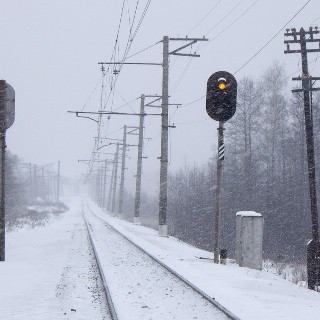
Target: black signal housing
[[221, 100]]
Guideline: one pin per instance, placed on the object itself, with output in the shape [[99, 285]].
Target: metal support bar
[[185, 46]]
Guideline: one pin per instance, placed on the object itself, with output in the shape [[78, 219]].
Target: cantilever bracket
[[77, 114], [192, 41]]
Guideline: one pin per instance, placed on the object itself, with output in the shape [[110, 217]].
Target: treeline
[[265, 170], [27, 184]]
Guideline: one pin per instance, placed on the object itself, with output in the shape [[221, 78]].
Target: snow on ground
[[50, 272], [248, 293], [141, 289]]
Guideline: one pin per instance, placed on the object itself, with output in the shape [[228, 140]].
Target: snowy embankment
[[248, 293], [140, 287], [50, 272]]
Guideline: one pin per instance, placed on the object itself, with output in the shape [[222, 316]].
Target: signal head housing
[[221, 96]]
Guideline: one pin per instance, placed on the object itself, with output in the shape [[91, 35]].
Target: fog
[[50, 53]]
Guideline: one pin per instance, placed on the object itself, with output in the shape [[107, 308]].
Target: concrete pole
[[97, 184], [101, 184], [111, 183], [115, 180], [35, 183], [123, 167], [3, 98], [104, 184], [43, 183], [136, 218], [217, 221], [31, 183], [163, 228], [58, 182]]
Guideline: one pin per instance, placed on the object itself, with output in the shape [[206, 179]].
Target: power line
[[204, 17], [113, 80], [91, 94], [216, 38], [117, 36], [231, 24], [124, 100], [136, 53], [142, 18], [316, 58], [126, 104], [200, 98], [225, 16], [182, 75], [127, 50], [277, 33], [202, 120]]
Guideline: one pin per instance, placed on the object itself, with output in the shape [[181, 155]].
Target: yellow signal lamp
[[222, 85]]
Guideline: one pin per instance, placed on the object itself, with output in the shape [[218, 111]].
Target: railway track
[[140, 286], [113, 314]]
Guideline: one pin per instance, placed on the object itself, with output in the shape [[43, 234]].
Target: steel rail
[[112, 309], [220, 307]]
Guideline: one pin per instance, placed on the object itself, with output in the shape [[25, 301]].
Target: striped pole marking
[[221, 151]]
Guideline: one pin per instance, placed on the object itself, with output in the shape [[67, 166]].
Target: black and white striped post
[[221, 147], [217, 224]]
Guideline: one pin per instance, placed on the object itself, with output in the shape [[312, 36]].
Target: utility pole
[[7, 114], [31, 183], [163, 228], [35, 182], [58, 182], [104, 184], [43, 184], [217, 223], [111, 184], [115, 179], [313, 249], [163, 195], [99, 184], [123, 165], [3, 98], [136, 218]]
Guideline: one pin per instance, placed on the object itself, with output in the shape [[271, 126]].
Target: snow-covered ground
[[141, 288], [49, 271], [248, 293]]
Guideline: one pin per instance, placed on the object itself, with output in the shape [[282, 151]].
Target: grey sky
[[50, 51]]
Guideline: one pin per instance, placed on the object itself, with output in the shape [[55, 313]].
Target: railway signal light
[[221, 98]]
